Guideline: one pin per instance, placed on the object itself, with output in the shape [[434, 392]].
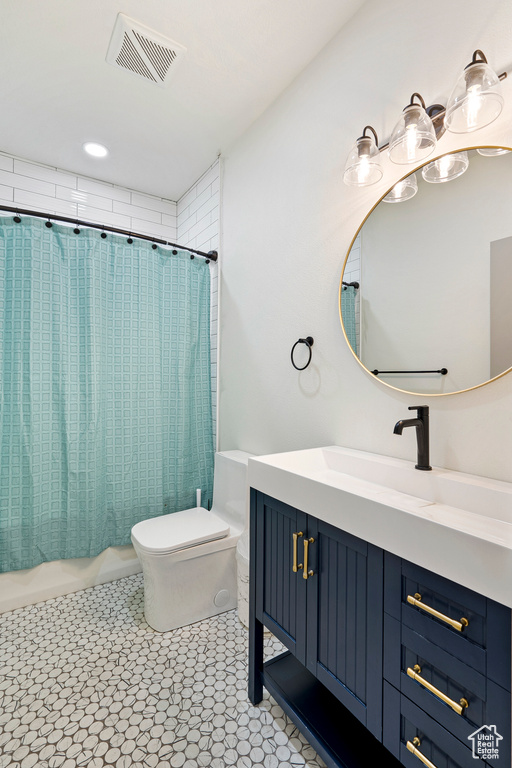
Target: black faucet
[[422, 438]]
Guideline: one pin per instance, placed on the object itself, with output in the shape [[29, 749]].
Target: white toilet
[[188, 557]]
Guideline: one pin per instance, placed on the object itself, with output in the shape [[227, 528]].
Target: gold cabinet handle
[[458, 708], [416, 601], [296, 567], [412, 746], [306, 574]]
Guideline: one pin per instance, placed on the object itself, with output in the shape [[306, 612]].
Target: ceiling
[[57, 91]]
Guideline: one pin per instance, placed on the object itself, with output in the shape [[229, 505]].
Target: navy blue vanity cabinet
[[319, 590], [388, 664], [447, 655]]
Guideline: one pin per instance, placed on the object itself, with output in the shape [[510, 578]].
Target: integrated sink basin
[[455, 524]]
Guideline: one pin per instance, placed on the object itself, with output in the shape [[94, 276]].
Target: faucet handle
[[420, 408]]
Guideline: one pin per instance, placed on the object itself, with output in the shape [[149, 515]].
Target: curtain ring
[[308, 341]]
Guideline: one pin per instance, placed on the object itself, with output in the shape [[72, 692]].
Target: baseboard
[[61, 577]]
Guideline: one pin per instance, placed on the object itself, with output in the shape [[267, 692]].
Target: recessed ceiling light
[[94, 149]]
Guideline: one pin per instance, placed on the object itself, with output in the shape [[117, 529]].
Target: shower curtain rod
[[210, 256]]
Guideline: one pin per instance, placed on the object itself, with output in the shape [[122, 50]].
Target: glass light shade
[[475, 101], [413, 138], [445, 168], [492, 151], [363, 166], [403, 190]]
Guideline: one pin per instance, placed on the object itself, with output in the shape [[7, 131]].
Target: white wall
[[288, 223]]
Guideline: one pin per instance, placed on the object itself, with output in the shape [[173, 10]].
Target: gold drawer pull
[[296, 567], [306, 574], [413, 747], [458, 708], [416, 601]]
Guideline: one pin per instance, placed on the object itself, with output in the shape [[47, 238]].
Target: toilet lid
[[179, 530]]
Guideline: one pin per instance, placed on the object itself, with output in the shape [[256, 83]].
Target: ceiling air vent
[[142, 51]]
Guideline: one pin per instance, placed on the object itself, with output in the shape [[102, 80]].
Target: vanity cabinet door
[[344, 605], [281, 591]]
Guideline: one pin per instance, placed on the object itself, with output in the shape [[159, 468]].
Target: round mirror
[[426, 288]]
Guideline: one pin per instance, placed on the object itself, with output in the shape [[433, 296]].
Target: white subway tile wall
[[198, 226], [352, 273], [39, 187]]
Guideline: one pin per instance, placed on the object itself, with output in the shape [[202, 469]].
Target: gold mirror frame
[[376, 378]]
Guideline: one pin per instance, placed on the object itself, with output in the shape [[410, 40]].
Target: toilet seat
[[179, 530]]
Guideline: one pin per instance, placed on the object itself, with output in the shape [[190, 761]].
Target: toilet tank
[[230, 489]]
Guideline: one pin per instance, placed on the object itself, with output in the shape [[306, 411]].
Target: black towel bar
[[442, 371]]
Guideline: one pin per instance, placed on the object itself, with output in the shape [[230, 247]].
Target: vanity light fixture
[[476, 99], [403, 190], [363, 166], [475, 102], [414, 137], [446, 168]]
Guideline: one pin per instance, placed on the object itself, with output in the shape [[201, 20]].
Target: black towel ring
[[308, 341]]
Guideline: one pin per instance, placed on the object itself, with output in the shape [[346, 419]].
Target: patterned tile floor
[[85, 682]]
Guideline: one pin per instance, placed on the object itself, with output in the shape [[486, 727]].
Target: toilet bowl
[[188, 557]]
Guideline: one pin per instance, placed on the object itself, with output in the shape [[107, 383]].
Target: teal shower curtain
[[105, 400], [348, 313]]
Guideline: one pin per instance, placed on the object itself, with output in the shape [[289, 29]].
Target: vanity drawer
[[458, 697], [407, 726], [467, 625]]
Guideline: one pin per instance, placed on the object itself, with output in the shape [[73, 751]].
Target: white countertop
[[457, 525]]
